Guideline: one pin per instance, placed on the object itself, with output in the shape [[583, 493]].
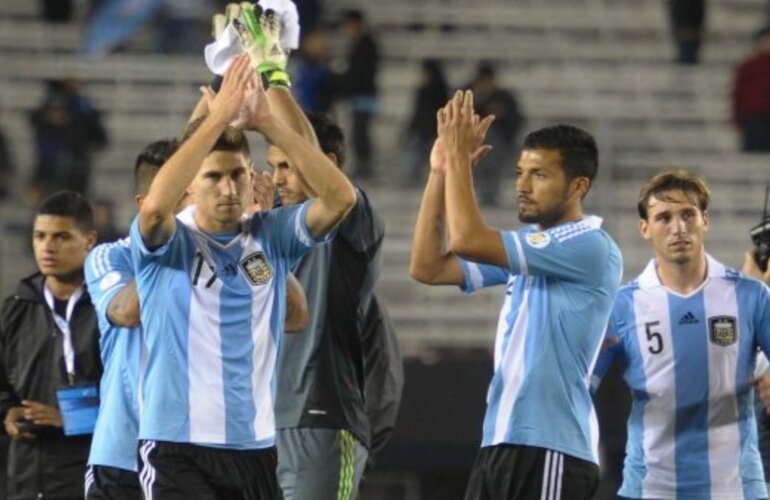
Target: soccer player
[[211, 286], [688, 329], [112, 472], [560, 273], [49, 341], [323, 433]]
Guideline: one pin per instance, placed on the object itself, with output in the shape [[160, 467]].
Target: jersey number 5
[[654, 338]]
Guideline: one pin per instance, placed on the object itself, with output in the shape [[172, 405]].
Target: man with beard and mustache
[[688, 329], [560, 273]]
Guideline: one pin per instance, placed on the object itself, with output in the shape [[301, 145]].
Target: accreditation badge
[[79, 406]]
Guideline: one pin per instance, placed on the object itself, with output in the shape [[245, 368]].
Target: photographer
[[49, 353]]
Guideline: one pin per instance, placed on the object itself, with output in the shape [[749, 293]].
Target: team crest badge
[[538, 240], [722, 330], [256, 268]]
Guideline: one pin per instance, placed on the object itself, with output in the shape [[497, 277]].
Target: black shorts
[[111, 483], [508, 472], [181, 471]]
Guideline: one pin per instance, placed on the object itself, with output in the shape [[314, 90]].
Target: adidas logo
[[688, 319]]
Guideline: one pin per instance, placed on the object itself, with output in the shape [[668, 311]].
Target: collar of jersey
[[592, 221], [187, 217], [650, 279]]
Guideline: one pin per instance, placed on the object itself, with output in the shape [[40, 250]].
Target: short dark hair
[[69, 204], [330, 136], [690, 184], [149, 161], [231, 140], [579, 154]]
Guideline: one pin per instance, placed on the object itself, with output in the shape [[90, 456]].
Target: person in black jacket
[[339, 380], [48, 342]]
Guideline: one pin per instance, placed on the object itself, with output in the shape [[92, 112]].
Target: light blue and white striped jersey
[[213, 315], [108, 269], [689, 360], [560, 286]]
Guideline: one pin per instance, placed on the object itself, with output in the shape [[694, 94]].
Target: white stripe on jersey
[[264, 352], [522, 258], [511, 362], [659, 441], [593, 419], [724, 437], [477, 279], [206, 393]]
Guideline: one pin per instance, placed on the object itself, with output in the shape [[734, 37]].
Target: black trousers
[[508, 472], [111, 483], [181, 471]]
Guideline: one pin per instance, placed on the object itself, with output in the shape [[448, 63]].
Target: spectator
[[430, 96], [751, 96], [491, 99], [49, 340], [7, 166], [314, 81], [687, 18], [67, 131], [360, 88]]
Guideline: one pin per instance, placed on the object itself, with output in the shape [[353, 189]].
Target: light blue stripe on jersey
[[692, 394], [209, 311], [561, 284], [108, 269], [635, 462]]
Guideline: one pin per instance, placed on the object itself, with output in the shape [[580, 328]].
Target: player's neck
[[683, 278], [572, 214], [63, 287], [214, 226]]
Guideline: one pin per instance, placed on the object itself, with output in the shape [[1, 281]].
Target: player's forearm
[[200, 110], [463, 213], [285, 108], [169, 186], [332, 188], [124, 307], [428, 245]]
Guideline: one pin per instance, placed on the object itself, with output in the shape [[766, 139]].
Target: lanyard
[[64, 326]]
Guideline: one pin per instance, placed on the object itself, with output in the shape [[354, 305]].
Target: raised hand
[[255, 110], [225, 106], [472, 127], [264, 191]]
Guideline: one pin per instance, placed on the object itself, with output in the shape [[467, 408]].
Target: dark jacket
[[32, 368]]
